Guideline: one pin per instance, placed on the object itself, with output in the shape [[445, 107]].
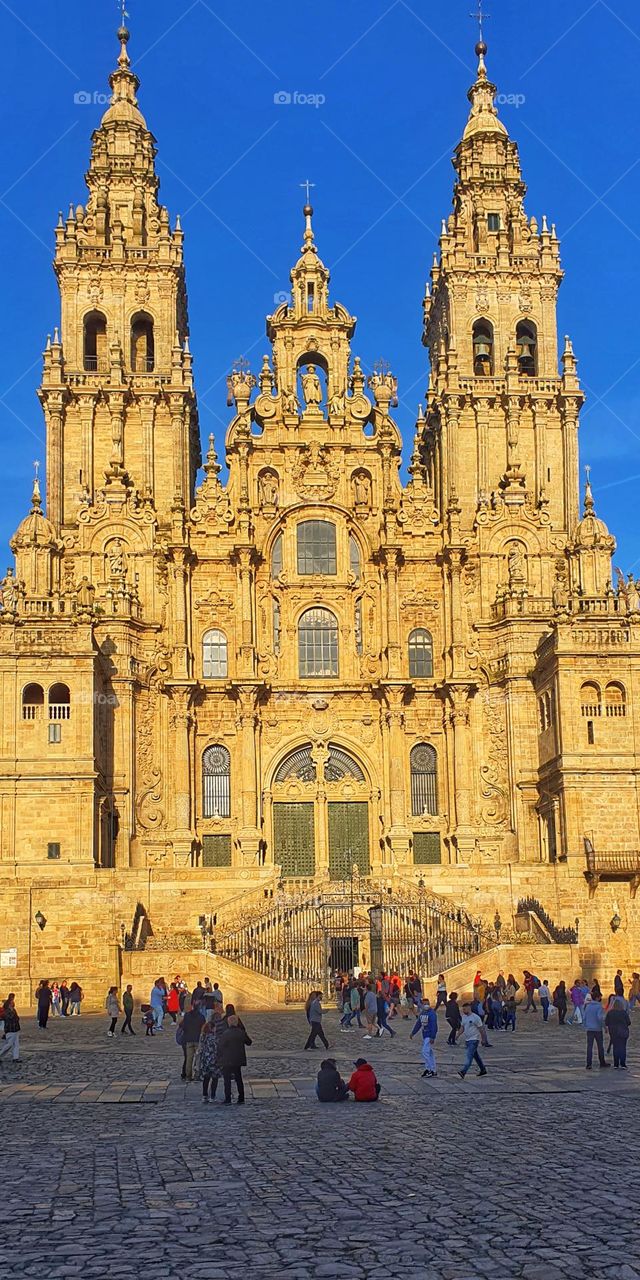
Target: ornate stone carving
[[149, 797]]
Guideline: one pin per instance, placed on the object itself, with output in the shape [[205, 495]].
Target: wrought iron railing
[[300, 939], [531, 906]]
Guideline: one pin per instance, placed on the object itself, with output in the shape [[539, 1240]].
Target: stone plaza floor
[[112, 1167]]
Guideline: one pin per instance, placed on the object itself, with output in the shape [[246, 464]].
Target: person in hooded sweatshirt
[[330, 1086], [363, 1084], [427, 1023]]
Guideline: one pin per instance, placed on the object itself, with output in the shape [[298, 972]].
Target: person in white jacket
[[112, 1007]]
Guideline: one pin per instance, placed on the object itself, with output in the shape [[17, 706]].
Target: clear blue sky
[[394, 76]]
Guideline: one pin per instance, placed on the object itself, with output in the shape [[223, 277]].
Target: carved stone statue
[[268, 487], [361, 489], [115, 556], [517, 565], [85, 594], [336, 405], [290, 403], [9, 593], [311, 387]]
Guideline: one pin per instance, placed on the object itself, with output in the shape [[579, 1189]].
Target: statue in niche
[[290, 403], [336, 405], [311, 387], [9, 593], [517, 566], [268, 488], [362, 489], [115, 556], [85, 594]]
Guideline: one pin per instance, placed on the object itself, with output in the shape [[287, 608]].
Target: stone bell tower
[[117, 388]]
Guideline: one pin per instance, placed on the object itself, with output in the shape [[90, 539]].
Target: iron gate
[[301, 940]]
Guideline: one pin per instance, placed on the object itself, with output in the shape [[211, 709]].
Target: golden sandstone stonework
[[210, 690]]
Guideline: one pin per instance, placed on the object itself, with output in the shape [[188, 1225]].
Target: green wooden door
[[348, 838], [294, 838], [426, 847], [216, 851]]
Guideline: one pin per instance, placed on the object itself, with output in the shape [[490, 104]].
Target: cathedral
[[215, 695]]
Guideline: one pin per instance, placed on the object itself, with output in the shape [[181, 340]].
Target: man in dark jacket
[[191, 1026], [44, 998], [64, 997], [232, 1057], [330, 1087]]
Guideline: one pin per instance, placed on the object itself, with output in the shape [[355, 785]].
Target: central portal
[[320, 818]]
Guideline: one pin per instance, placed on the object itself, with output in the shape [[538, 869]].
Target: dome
[[35, 530]]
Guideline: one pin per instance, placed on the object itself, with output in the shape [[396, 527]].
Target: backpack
[[180, 1035], [536, 983]]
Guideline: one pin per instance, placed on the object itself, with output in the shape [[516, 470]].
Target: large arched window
[[216, 782], [142, 343], [527, 348], [214, 655], [424, 779], [420, 654], [318, 643], [354, 557], [483, 348], [316, 547], [590, 699], [59, 702], [276, 557], [615, 699], [32, 702], [95, 342]]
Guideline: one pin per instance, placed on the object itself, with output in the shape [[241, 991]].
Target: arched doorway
[[321, 814]]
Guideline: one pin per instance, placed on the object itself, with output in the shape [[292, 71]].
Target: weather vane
[[307, 185], [480, 17]]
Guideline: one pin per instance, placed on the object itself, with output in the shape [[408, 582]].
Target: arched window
[[297, 765], [95, 342], [483, 348], [316, 547], [354, 557], [420, 654], [527, 348], [59, 702], [276, 557], [424, 781], [32, 702], [216, 782], [590, 699], [214, 655], [341, 765], [142, 343], [615, 699], [318, 643]]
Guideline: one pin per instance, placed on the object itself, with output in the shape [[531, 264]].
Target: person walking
[[233, 1057], [112, 1007], [530, 989], [10, 1021], [594, 1027], [370, 1012], [43, 996], [75, 999], [314, 1016], [545, 998], [578, 997], [56, 1002], [618, 1022], [471, 1031], [352, 1006], [441, 991], [427, 1023], [618, 984], [510, 1012], [127, 1005], [634, 990], [330, 1087], [191, 1026], [173, 1002], [64, 998], [210, 1069], [453, 1016], [382, 1009], [560, 1001], [156, 1000]]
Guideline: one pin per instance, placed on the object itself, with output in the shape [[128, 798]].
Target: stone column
[[244, 561], [180, 719], [246, 773], [461, 801], [87, 408], [399, 833], [55, 464]]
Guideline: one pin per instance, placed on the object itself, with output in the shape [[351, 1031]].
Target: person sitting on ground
[[330, 1086], [363, 1084]]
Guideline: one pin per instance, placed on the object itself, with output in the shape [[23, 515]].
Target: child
[[510, 1007], [148, 1020]]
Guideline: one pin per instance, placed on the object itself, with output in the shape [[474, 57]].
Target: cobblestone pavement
[[530, 1172]]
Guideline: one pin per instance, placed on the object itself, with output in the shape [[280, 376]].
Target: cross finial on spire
[[307, 186], [36, 499], [123, 11], [480, 17]]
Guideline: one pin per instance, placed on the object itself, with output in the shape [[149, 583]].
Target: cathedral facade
[[311, 671]]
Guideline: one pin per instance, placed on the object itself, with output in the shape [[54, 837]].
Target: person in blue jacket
[[427, 1023]]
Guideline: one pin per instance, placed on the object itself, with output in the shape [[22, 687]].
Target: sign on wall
[[9, 958]]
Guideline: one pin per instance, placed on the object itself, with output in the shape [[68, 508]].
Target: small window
[[590, 700], [216, 782], [493, 221], [276, 557], [59, 702], [142, 344], [420, 654], [318, 643], [424, 789], [214, 655], [354, 557], [615, 701], [590, 734], [95, 342], [32, 702], [426, 848], [527, 348], [53, 850], [216, 851], [310, 297], [55, 732], [316, 547]]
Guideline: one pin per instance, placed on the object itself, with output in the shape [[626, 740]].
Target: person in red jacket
[[363, 1084], [173, 1001]]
